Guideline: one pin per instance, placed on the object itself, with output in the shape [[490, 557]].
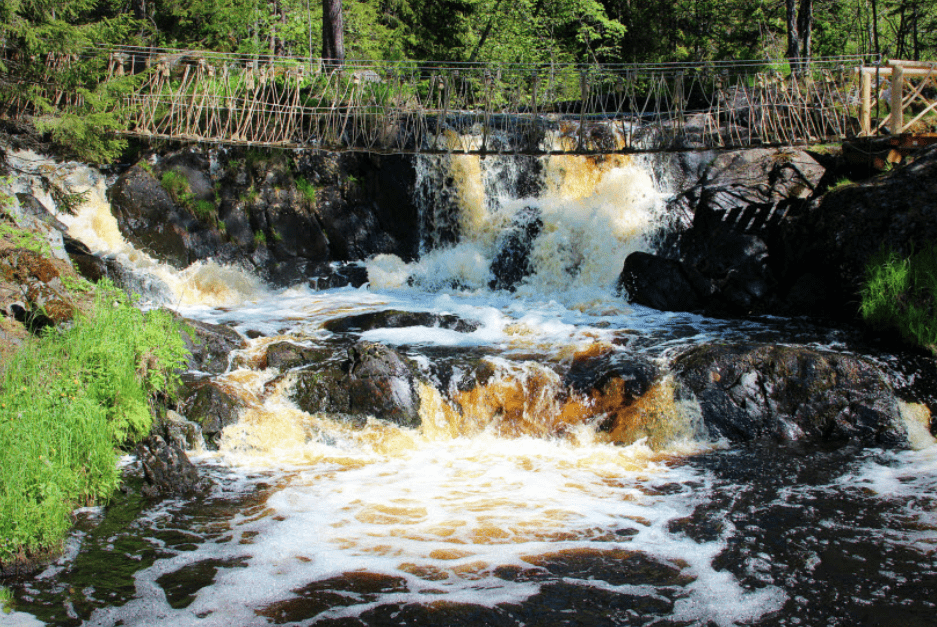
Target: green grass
[[307, 189], [178, 188], [6, 600], [901, 294], [205, 210], [67, 401], [840, 184], [259, 238]]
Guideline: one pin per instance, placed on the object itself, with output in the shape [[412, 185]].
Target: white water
[[447, 510]]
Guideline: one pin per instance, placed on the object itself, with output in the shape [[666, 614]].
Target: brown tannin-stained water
[[508, 505]]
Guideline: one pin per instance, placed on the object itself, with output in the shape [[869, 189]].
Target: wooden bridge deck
[[480, 109]]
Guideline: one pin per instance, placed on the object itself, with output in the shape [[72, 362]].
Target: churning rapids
[[514, 509]]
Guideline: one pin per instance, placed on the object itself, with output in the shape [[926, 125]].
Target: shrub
[[67, 400], [901, 294]]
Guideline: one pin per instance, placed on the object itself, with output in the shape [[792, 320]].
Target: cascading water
[[508, 505]]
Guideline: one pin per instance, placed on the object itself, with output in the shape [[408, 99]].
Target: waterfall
[[591, 212]]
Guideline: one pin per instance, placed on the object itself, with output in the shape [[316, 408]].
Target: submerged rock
[[748, 392], [368, 380]]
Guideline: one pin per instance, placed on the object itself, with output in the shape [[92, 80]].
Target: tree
[[799, 33], [333, 32]]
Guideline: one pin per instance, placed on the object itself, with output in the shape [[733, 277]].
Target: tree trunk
[[139, 9], [793, 34], [805, 27], [333, 32]]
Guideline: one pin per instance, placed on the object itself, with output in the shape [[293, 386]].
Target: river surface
[[510, 509]]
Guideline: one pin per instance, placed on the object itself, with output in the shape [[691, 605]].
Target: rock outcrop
[[368, 379], [285, 216], [748, 392], [769, 253]]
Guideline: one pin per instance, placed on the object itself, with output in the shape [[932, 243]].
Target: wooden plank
[[865, 115], [896, 117]]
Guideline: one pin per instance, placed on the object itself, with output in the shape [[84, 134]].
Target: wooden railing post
[[896, 117], [865, 113]]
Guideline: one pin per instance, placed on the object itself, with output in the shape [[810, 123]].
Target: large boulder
[[790, 393], [660, 283], [719, 255], [167, 470], [827, 248], [750, 189], [152, 220], [368, 380]]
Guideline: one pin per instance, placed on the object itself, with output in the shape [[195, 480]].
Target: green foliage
[[177, 185], [205, 210], [6, 600], [66, 401], [901, 294], [307, 189], [260, 239]]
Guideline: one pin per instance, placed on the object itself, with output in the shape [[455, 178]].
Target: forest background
[[527, 31], [540, 32]]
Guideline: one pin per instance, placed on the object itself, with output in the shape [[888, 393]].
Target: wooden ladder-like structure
[[474, 108]]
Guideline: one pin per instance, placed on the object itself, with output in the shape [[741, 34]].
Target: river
[[508, 505]]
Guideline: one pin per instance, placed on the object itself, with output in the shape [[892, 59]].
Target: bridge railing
[[479, 108], [906, 89]]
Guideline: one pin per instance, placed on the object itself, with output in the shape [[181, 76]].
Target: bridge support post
[[865, 112], [896, 118]]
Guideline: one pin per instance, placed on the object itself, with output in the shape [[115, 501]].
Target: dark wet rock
[[327, 276], [394, 319], [750, 392], [287, 355], [590, 373], [176, 429], [513, 263], [212, 408], [210, 345], [458, 369], [659, 283], [722, 272], [750, 190], [824, 251], [371, 380], [365, 204], [151, 220], [722, 254], [167, 470], [95, 267]]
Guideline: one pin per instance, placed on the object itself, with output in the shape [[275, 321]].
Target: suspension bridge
[[476, 108]]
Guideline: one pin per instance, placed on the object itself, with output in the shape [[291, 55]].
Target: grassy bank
[[68, 400], [900, 294]]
